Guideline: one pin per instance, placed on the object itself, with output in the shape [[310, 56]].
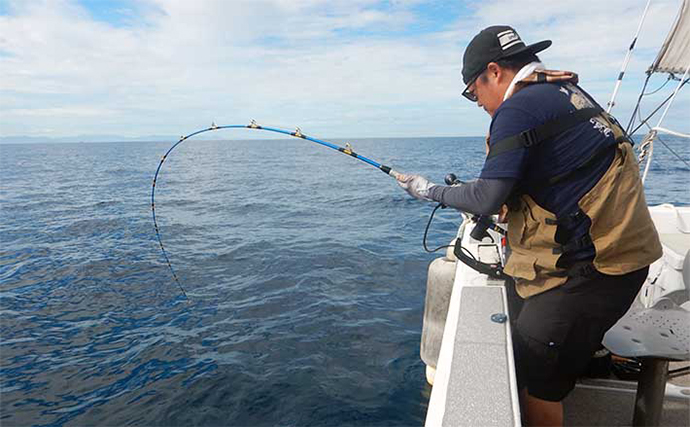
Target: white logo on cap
[[508, 39]]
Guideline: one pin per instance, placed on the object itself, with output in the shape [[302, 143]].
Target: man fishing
[[580, 235]]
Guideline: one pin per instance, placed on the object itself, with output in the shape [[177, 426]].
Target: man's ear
[[493, 70]]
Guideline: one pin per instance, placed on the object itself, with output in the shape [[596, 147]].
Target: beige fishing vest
[[622, 231]]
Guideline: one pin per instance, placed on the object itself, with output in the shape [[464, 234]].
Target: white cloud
[[590, 37], [60, 113], [330, 67]]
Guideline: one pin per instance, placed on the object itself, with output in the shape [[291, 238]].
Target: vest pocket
[[522, 266], [529, 229], [622, 230], [531, 237]]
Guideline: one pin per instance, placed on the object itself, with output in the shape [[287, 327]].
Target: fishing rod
[[255, 126], [483, 222]]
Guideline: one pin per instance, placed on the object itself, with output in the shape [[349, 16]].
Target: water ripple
[[306, 291]]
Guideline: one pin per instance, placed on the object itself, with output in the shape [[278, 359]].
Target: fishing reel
[[483, 223]]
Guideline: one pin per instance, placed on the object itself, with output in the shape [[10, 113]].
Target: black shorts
[[557, 332]]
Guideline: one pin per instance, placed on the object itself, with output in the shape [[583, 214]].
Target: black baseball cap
[[490, 45]]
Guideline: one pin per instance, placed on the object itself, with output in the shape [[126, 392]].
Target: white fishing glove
[[416, 185]]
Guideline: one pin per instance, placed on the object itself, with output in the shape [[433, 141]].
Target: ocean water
[[304, 269]]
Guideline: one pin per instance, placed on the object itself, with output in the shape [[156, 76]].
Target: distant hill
[[23, 139]]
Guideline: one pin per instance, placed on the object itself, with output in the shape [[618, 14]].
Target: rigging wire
[[639, 100], [668, 79], [674, 153], [644, 122], [637, 105], [664, 143], [647, 147]]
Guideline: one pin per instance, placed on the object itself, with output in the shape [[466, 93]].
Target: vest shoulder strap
[[547, 130]]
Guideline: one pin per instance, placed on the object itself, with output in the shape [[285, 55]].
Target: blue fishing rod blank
[[253, 125]]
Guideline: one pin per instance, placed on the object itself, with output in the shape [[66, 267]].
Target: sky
[[335, 68]]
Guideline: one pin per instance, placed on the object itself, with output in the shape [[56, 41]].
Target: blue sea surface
[[304, 269]]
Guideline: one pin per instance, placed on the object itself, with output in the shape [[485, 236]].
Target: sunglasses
[[469, 94]]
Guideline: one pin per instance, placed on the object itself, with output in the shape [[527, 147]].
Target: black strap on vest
[[550, 129], [568, 220], [547, 130], [574, 244], [577, 216], [579, 269]]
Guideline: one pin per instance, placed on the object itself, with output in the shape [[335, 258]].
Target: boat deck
[[591, 404], [474, 380]]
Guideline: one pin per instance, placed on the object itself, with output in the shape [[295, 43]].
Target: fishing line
[[493, 270], [457, 242], [426, 231], [463, 254], [253, 125]]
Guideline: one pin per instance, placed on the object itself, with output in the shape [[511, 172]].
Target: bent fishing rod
[[483, 222], [255, 126]]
